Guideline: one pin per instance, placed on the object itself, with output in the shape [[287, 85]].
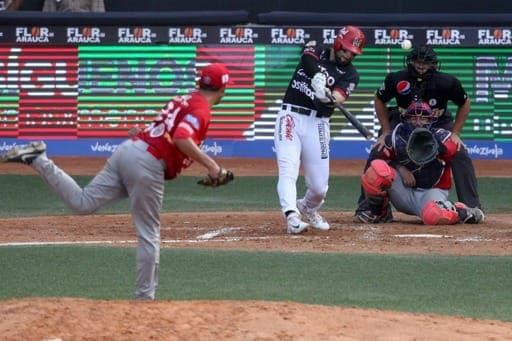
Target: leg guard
[[375, 181], [439, 213], [378, 178]]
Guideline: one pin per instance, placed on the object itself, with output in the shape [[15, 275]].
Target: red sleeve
[[451, 149], [190, 126]]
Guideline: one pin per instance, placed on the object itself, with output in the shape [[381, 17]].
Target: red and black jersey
[[183, 117], [436, 91], [435, 174], [342, 78]]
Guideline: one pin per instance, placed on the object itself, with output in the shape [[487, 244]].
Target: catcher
[[421, 80], [139, 166], [413, 173]]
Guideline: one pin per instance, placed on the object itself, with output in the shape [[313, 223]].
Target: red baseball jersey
[[183, 117]]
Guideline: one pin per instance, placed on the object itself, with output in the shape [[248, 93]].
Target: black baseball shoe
[[366, 216], [24, 153], [471, 215]]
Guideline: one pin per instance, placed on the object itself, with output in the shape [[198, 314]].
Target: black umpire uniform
[[436, 89]]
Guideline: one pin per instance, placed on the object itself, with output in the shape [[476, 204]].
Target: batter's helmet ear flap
[[350, 38]]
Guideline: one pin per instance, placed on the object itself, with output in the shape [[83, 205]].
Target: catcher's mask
[[422, 61], [418, 114], [349, 41]]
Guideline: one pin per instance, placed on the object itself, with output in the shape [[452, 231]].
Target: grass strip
[[476, 286], [28, 195]]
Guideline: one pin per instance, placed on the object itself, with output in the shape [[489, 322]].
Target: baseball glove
[[223, 178], [422, 147]]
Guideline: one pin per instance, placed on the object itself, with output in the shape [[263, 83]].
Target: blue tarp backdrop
[[251, 149]]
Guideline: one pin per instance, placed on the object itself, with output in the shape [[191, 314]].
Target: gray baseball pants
[[130, 172], [412, 200]]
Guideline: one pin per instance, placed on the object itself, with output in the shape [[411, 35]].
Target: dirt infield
[[58, 318]]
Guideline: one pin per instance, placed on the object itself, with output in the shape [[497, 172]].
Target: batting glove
[[318, 83]]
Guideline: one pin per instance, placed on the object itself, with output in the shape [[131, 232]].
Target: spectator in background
[[74, 6], [10, 5]]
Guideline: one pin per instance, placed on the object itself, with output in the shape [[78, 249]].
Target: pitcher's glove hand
[[422, 147], [223, 178]]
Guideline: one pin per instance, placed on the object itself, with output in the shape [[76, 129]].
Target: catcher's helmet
[[349, 38], [418, 114], [424, 54]]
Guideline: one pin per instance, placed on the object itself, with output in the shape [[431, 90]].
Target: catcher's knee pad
[[439, 213], [378, 178]]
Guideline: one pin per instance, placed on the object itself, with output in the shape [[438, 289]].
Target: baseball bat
[[352, 119]]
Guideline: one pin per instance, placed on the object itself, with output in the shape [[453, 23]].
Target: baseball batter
[[139, 166], [302, 133], [421, 80], [412, 187]]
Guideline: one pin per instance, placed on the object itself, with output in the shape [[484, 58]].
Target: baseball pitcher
[[139, 166]]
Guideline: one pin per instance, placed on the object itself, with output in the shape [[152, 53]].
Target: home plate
[[422, 235]]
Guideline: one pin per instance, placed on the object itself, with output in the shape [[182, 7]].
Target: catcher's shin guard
[[439, 213], [378, 178]]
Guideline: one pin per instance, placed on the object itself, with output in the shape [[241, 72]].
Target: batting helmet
[[349, 38]]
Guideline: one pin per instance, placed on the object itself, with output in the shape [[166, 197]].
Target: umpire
[[422, 81]]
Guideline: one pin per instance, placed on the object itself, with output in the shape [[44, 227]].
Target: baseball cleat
[[24, 153], [367, 217], [478, 215], [314, 218], [469, 215], [473, 215], [295, 224]]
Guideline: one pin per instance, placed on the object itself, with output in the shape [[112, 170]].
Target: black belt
[[301, 110]]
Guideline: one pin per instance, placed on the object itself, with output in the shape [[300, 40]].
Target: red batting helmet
[[350, 38], [214, 76]]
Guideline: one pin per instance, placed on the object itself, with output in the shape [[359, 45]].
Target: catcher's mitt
[[223, 178], [422, 147]]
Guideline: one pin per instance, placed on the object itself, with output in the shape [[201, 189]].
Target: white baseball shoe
[[295, 224], [24, 153], [314, 218]]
